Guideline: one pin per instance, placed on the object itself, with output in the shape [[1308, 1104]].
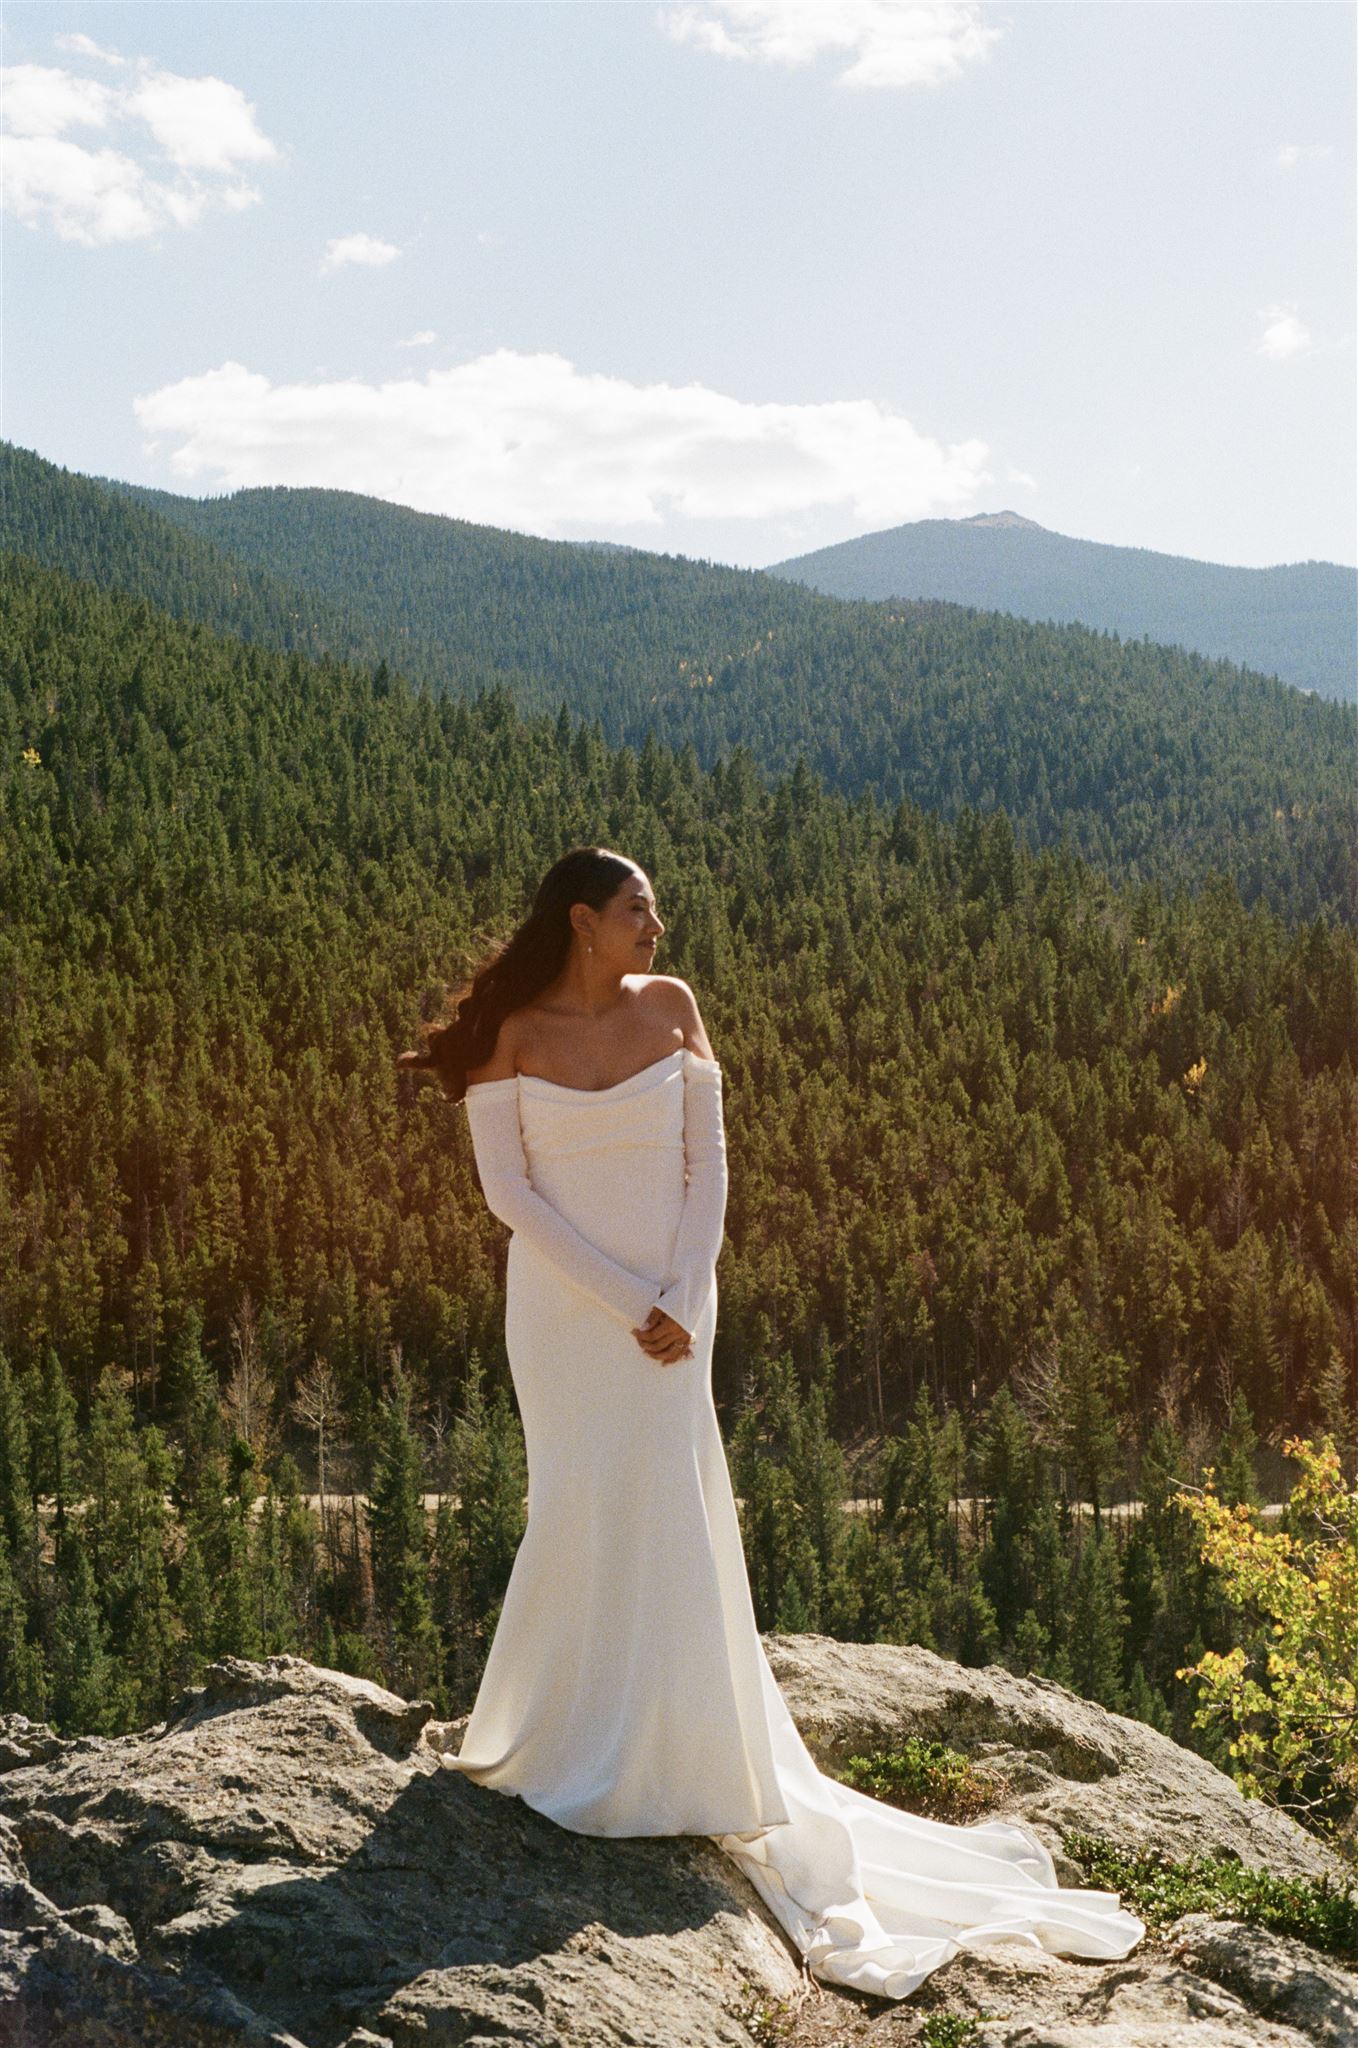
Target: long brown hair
[[522, 967]]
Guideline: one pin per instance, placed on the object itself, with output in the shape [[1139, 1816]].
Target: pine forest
[[1030, 959]]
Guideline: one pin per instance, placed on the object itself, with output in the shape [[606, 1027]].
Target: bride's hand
[[662, 1339]]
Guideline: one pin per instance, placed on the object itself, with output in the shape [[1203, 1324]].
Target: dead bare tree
[[248, 1399], [316, 1405]]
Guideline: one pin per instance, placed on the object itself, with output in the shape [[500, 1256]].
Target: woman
[[627, 1691]]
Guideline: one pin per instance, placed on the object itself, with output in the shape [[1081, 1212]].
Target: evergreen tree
[[54, 1441], [16, 1515], [1098, 1620], [23, 1672], [490, 1467], [1029, 1649], [86, 1695], [1236, 1482]]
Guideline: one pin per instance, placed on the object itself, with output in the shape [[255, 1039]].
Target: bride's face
[[628, 927]]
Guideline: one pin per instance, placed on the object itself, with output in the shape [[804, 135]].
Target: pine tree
[[1143, 1593], [17, 1526], [23, 1671], [1144, 1703], [1236, 1483], [490, 1468], [54, 1440], [86, 1696], [1009, 1473], [195, 1405], [399, 1549], [496, 1520], [974, 1633], [1029, 1649], [1098, 1619], [1090, 1382], [396, 1498], [197, 1612]]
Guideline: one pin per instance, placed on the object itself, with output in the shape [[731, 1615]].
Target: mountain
[[1149, 761], [1298, 621], [101, 535]]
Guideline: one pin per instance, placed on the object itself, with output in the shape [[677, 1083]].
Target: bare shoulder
[[673, 999], [503, 1063]]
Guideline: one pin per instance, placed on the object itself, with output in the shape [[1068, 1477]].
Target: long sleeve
[[698, 1239], [497, 1140]]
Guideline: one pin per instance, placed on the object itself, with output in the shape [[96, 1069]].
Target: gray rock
[[286, 1862], [1274, 1975]]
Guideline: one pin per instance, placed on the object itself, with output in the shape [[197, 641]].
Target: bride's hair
[[522, 967]]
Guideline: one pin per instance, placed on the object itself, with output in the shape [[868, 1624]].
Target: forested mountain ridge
[[981, 1096], [1297, 620], [77, 524], [1149, 761], [1043, 1179]]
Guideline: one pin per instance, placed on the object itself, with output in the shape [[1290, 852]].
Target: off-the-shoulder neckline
[[681, 1052]]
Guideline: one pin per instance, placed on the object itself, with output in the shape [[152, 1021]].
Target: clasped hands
[[662, 1339]]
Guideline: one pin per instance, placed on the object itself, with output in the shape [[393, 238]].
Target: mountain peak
[[1002, 519]]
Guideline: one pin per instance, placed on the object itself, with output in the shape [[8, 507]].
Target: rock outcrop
[[286, 1861]]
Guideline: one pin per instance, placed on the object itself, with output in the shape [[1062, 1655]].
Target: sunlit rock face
[[287, 1862]]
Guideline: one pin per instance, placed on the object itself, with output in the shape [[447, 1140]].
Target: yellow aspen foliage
[[1290, 1697]]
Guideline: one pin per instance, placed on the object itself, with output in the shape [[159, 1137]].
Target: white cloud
[[178, 143], [202, 124], [88, 195], [1284, 335], [423, 339], [85, 46], [533, 443], [886, 42], [1021, 476], [40, 100], [363, 249]]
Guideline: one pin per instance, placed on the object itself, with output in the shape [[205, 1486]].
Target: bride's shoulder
[[503, 1063], [674, 1003]]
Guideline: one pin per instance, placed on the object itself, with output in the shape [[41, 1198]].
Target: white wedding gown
[[627, 1691]]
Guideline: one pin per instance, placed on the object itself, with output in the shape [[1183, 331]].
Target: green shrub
[[924, 1777], [1316, 1911]]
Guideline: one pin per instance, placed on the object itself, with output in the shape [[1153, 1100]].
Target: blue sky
[[732, 280]]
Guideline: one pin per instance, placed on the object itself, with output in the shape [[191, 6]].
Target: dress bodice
[[611, 1161]]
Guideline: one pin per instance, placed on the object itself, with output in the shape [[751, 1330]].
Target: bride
[[627, 1691]]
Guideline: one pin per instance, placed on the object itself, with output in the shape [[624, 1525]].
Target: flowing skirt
[[627, 1691]]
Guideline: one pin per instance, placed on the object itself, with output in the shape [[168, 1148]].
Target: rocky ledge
[[286, 1861]]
